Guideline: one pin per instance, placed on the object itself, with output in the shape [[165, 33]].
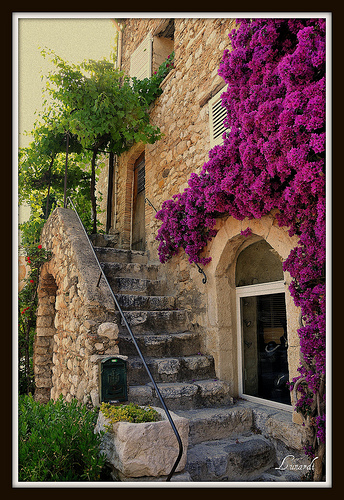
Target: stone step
[[146, 302], [130, 269], [244, 458], [136, 286], [172, 369], [106, 254], [217, 423], [183, 395], [174, 321], [160, 344]]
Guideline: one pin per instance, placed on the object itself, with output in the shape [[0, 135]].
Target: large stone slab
[[243, 459], [145, 449]]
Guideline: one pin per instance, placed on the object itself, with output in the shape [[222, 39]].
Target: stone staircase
[[185, 377], [224, 445]]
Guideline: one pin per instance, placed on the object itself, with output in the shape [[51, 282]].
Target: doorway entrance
[[262, 325], [138, 239]]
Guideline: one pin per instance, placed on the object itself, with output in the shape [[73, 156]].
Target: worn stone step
[[173, 321], [130, 269], [146, 302], [161, 344], [217, 423], [134, 286], [106, 254], [183, 395], [171, 369], [244, 458]]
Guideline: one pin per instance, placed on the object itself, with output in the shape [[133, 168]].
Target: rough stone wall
[[181, 113], [75, 318]]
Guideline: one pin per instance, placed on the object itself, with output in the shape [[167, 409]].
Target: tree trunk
[[318, 464], [93, 191]]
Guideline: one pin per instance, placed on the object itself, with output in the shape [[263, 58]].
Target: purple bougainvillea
[[273, 157]]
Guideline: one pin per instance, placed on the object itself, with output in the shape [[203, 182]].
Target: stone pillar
[[44, 339]]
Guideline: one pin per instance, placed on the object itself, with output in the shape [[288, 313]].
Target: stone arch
[[224, 250], [44, 339]]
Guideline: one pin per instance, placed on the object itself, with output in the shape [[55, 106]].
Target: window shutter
[[216, 116], [141, 59]]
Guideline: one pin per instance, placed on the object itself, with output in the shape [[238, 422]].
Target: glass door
[[263, 342]]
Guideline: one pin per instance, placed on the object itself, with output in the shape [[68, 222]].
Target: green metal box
[[113, 380]]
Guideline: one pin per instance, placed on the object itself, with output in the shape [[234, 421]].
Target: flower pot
[[144, 449]]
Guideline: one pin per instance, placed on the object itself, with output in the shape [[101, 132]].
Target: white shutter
[[141, 59], [216, 116]]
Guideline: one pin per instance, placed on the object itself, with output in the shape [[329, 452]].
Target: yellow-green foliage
[[128, 413]]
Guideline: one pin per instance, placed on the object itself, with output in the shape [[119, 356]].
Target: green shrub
[[57, 441], [129, 413]]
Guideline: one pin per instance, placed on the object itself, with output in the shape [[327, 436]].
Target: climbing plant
[[272, 157], [102, 107], [99, 108]]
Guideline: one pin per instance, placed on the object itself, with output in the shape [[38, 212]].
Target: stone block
[[241, 459], [109, 330], [145, 449], [45, 332]]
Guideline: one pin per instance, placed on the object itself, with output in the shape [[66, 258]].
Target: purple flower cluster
[[273, 157]]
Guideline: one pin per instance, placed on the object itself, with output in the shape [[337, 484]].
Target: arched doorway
[[223, 337], [262, 324]]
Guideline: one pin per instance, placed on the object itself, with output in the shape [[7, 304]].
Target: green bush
[[129, 413], [57, 441]]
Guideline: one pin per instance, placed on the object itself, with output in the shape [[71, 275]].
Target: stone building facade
[[183, 112], [243, 270]]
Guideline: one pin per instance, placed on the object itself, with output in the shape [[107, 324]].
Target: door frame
[[250, 291], [139, 160]]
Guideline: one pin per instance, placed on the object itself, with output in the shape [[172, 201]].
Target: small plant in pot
[[139, 441]]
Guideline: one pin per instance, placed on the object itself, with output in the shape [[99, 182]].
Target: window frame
[[212, 103], [251, 291]]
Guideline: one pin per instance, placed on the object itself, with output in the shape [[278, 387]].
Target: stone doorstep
[[106, 254], [135, 286], [161, 344], [216, 427], [183, 395], [147, 321], [217, 423], [171, 369], [130, 269], [230, 459], [240, 418], [146, 302]]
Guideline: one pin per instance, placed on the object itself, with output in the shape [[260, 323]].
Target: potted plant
[[139, 441]]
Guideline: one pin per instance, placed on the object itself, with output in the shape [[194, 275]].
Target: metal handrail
[[102, 275]]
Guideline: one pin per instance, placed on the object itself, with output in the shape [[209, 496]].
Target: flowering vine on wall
[[272, 157]]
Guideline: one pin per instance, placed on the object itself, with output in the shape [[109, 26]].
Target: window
[[217, 114], [153, 51], [262, 325], [141, 59]]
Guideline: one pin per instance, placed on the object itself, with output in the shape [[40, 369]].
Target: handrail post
[[102, 275], [65, 176]]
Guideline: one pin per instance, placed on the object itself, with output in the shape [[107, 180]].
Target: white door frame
[[250, 291]]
